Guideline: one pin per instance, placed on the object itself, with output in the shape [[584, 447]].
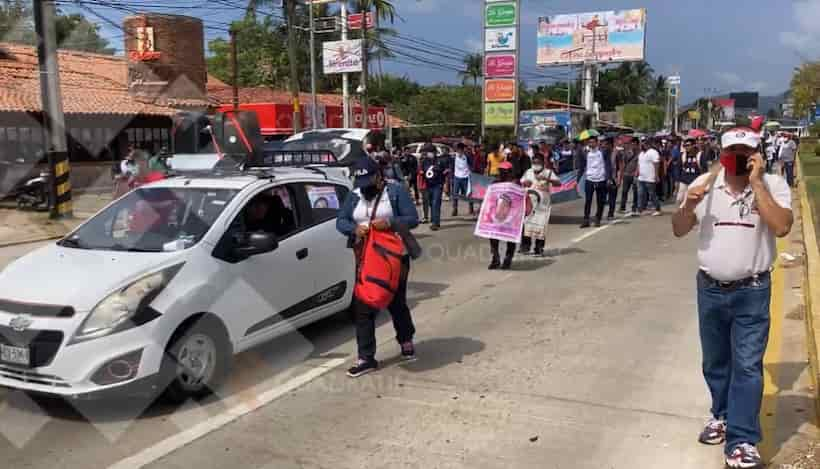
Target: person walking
[[376, 204], [597, 170], [520, 162], [690, 169], [739, 210], [612, 155], [538, 181], [649, 163], [788, 151], [494, 160], [504, 175], [433, 170], [461, 170], [628, 175], [410, 167]]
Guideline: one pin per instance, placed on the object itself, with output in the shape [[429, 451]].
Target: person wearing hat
[[596, 167], [376, 204], [739, 210]]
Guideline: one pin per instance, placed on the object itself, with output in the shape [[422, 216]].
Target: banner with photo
[[502, 213], [604, 36], [322, 197]]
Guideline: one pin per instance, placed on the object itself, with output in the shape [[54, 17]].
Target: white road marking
[[589, 234], [180, 440]]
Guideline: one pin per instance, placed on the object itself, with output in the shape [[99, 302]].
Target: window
[[325, 201], [272, 211]]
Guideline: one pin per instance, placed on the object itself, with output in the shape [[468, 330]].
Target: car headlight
[[126, 307]]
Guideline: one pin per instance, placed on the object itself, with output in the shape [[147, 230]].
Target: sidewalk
[[20, 227]]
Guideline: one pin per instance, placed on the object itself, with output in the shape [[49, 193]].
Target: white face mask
[[531, 152], [538, 168]]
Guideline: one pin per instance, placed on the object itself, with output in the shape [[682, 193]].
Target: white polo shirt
[[734, 242]]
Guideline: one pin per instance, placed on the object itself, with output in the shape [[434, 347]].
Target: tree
[[443, 104], [474, 68], [383, 10], [261, 54], [74, 31], [394, 91], [805, 87], [643, 117]]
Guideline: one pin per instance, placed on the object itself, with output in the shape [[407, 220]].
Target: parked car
[[160, 289], [441, 149]]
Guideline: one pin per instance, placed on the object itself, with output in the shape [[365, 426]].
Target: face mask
[[735, 164], [538, 168], [370, 193], [530, 152]]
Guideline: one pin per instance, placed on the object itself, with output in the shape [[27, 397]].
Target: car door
[[265, 291], [331, 260]]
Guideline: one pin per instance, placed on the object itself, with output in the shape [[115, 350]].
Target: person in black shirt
[[433, 170], [409, 167], [690, 168]]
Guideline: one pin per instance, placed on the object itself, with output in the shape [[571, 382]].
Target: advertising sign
[[502, 213], [499, 114], [499, 90], [499, 39], [354, 21], [499, 65], [500, 14], [727, 109], [342, 56], [605, 36]]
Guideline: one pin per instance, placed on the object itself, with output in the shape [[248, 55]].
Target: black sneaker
[[408, 352], [507, 265], [597, 223], [744, 456], [714, 433], [538, 253], [435, 227], [585, 224], [494, 265], [363, 367]]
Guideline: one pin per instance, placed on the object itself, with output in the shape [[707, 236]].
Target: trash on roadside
[[787, 257]]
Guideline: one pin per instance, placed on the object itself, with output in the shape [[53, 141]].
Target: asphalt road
[[587, 358]]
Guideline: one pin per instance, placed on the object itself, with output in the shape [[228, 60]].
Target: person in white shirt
[[462, 169], [788, 151], [597, 170], [649, 163], [739, 210], [538, 180]]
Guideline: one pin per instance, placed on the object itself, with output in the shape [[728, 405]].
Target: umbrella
[[696, 133], [773, 124], [588, 134]]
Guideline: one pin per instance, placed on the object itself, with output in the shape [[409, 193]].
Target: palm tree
[[474, 68], [384, 10]]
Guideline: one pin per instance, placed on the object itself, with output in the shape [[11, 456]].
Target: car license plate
[[16, 355]]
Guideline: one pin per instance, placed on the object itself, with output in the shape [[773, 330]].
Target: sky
[[723, 45]]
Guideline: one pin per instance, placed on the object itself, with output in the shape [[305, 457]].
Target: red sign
[[143, 56], [354, 21], [499, 90], [499, 65], [277, 119]]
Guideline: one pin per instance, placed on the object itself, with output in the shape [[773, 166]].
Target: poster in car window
[[502, 213], [323, 197]]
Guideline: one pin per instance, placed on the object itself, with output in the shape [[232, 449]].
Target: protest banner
[[502, 213]]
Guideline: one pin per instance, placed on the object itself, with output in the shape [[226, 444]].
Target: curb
[[811, 290]]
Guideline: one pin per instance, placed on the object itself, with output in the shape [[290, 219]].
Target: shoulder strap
[[376, 205]]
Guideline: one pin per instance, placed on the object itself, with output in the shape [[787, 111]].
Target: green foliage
[[443, 104], [814, 130], [261, 54], [390, 90], [74, 31], [474, 69], [804, 87], [817, 150], [643, 117], [629, 83]]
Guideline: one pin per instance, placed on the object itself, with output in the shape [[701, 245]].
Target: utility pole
[[234, 69], [314, 113], [345, 77], [53, 118], [294, 70], [365, 48]]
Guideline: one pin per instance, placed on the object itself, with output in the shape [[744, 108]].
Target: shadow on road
[[566, 219], [438, 353], [531, 264], [793, 411]]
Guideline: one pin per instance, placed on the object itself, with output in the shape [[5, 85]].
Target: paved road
[[588, 358]]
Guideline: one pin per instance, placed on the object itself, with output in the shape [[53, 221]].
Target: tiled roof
[[90, 84], [262, 95]]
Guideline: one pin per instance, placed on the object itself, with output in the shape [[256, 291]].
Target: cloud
[[805, 38], [731, 79], [473, 45]]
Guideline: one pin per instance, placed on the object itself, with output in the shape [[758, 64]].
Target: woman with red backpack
[[376, 217]]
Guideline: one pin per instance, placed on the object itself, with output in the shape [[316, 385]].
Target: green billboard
[[499, 114], [500, 14]]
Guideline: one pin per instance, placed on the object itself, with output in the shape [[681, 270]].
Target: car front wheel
[[196, 362]]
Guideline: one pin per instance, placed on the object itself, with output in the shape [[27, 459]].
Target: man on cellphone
[[740, 210]]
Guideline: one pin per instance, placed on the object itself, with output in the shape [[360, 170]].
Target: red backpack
[[379, 269]]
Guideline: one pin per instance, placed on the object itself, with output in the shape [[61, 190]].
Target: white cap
[[740, 136]]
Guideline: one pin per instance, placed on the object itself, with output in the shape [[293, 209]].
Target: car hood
[[77, 277]]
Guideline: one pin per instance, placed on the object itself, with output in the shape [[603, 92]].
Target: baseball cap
[[740, 136], [365, 171]]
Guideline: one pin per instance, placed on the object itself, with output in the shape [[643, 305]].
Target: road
[[588, 358]]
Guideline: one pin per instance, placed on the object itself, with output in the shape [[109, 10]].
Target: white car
[[162, 287]]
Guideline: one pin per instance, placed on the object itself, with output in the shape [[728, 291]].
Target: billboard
[[342, 56], [499, 65], [499, 114], [499, 39], [500, 14], [499, 90], [604, 36], [727, 109], [749, 100]]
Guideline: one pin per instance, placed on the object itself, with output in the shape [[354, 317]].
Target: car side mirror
[[257, 243]]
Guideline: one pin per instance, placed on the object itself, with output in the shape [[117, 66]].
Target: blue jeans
[[435, 204], [734, 331], [788, 167], [648, 193], [460, 186]]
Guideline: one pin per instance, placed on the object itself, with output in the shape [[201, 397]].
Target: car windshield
[[152, 220]]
